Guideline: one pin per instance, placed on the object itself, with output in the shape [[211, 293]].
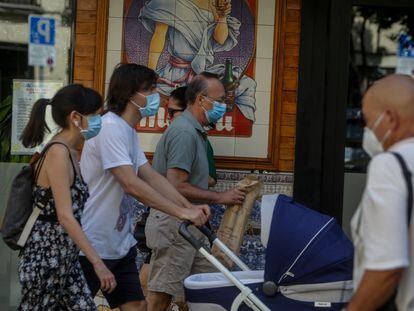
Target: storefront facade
[[345, 46], [305, 65]]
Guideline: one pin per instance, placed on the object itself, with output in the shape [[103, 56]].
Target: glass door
[[381, 43]]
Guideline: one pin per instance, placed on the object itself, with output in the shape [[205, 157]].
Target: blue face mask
[[152, 106], [94, 127], [216, 113]]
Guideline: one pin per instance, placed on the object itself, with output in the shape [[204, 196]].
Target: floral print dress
[[49, 270]]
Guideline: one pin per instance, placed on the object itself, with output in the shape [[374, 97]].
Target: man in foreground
[[381, 230]]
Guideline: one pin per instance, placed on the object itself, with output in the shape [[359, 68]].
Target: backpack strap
[[42, 159], [390, 304], [408, 179], [44, 200]]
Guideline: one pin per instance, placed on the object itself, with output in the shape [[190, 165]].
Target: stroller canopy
[[308, 265], [305, 247]]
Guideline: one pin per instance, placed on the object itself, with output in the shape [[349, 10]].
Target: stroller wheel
[[269, 288]]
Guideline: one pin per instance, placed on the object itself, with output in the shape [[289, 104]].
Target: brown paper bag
[[234, 222]]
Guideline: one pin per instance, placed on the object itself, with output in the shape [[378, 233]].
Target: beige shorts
[[173, 258]]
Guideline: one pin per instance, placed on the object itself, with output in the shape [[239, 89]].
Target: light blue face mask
[[216, 113], [152, 106], [94, 127]]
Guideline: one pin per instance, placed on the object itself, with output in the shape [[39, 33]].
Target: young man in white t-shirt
[[113, 165], [382, 235]]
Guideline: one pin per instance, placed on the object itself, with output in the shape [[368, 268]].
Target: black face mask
[[172, 111]]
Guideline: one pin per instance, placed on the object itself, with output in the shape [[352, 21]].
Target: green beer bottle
[[230, 84]]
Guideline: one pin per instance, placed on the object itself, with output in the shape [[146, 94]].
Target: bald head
[[388, 108], [394, 91]]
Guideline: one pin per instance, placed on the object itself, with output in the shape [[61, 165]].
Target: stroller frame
[[246, 295]]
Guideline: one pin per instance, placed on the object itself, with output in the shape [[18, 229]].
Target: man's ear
[[393, 118], [198, 98]]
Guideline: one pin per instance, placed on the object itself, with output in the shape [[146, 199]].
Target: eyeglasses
[[172, 111]]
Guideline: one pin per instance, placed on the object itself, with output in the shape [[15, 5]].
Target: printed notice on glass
[[25, 94]]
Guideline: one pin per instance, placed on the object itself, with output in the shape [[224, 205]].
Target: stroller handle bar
[[186, 234], [246, 295], [211, 236]]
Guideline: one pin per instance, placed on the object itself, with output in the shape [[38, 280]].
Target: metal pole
[[231, 255]]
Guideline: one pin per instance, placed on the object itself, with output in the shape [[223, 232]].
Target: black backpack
[[21, 214]]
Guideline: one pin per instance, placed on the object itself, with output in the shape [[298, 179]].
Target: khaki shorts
[[173, 258]]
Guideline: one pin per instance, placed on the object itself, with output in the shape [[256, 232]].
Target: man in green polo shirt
[[176, 106], [181, 156]]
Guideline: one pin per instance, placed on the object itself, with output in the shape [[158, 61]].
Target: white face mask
[[370, 142]]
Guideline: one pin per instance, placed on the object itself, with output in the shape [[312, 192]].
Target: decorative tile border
[[236, 175], [272, 182]]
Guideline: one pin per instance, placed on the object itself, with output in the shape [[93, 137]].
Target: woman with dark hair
[[176, 102], [49, 268]]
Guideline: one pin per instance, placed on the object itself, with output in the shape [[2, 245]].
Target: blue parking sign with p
[[42, 30]]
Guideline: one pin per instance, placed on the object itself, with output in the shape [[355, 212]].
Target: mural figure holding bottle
[[188, 37]]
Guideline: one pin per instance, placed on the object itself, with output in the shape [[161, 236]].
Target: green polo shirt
[[184, 146], [211, 163]]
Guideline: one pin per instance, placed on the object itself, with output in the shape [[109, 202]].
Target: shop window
[[381, 44]]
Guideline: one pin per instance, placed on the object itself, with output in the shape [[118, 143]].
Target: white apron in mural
[[191, 47]]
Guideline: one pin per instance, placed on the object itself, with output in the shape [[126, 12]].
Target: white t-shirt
[[106, 221], [380, 232]]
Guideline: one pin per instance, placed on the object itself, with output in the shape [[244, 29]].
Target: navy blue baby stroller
[[308, 265]]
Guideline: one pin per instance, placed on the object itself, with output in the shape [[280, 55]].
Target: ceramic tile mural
[[181, 38]]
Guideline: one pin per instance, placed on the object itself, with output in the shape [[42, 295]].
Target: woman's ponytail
[[35, 129], [72, 97]]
